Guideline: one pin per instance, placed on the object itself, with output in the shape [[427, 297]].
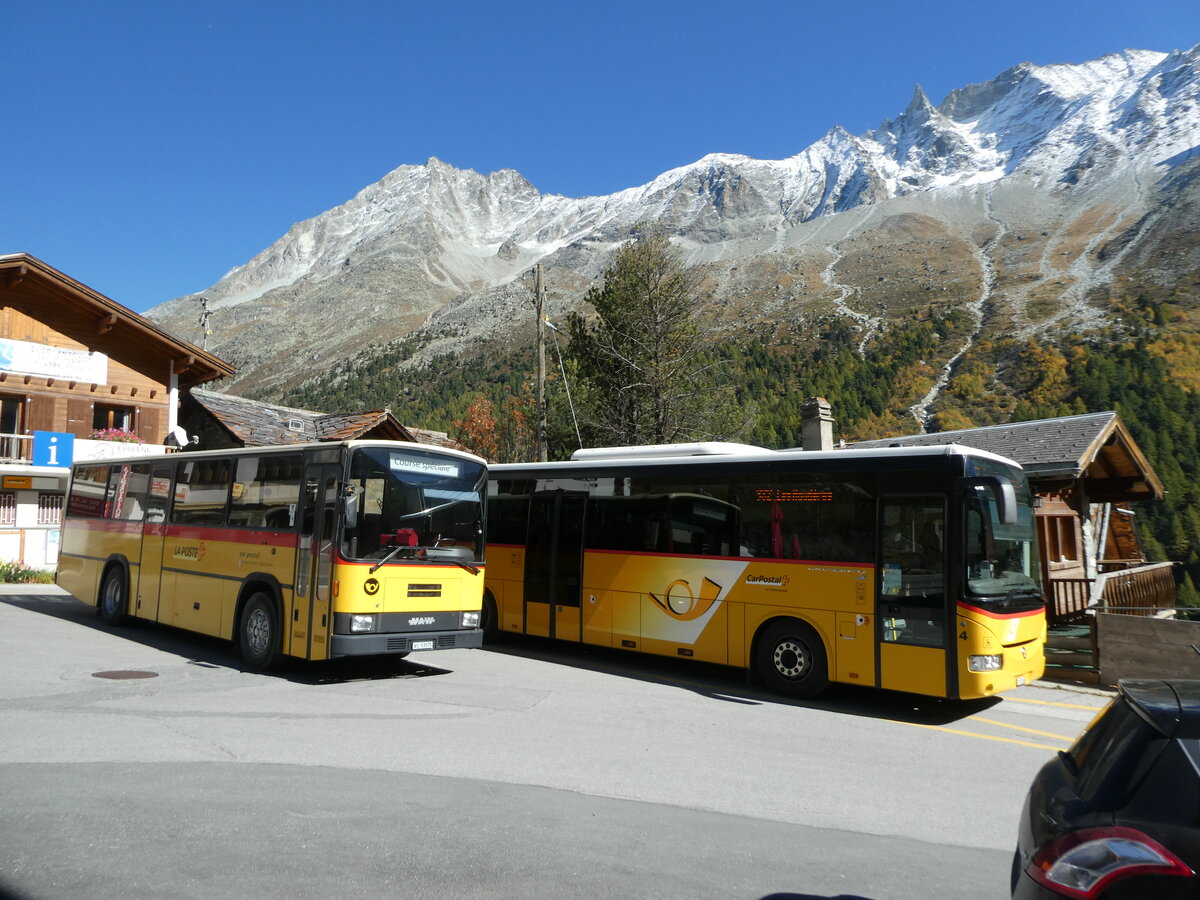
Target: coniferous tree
[[645, 363]]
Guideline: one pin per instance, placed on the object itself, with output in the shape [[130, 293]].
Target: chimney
[[816, 424]]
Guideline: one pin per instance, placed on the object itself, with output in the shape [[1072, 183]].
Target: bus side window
[[128, 485], [266, 490], [89, 498], [202, 492], [158, 500]]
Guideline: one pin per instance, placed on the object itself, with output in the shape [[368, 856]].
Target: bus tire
[[114, 597], [489, 619], [258, 632], [791, 659]]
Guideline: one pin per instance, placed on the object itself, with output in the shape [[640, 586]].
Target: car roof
[[1171, 707]]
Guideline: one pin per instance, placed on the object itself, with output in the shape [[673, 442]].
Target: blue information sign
[[50, 448]]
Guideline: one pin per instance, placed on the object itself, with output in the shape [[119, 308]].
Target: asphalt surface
[[145, 762]]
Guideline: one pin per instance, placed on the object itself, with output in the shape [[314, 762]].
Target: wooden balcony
[[1138, 590]]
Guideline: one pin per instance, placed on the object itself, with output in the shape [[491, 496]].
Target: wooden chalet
[[73, 363], [1087, 472]]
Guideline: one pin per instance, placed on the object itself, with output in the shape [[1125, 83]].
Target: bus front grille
[[424, 590]]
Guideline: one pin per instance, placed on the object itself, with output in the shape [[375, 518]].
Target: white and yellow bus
[[909, 569], [313, 551]]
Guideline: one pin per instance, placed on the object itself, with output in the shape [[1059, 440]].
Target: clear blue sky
[[149, 146]]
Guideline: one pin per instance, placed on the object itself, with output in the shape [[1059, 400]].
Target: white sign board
[[89, 450], [27, 358]]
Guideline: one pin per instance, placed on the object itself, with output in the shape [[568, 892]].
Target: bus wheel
[[791, 659], [258, 632], [114, 598], [489, 619]]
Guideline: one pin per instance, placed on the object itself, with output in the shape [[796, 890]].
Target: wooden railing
[[1070, 600], [1141, 591]]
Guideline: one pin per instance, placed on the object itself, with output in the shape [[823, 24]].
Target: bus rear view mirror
[[1002, 491], [350, 505]]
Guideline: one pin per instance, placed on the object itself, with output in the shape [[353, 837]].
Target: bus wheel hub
[[789, 659]]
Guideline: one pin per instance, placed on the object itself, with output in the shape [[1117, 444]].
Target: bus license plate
[[422, 645]]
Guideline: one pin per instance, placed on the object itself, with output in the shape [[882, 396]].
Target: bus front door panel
[[917, 670]]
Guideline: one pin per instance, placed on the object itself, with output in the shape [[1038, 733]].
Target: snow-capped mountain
[[1055, 175]]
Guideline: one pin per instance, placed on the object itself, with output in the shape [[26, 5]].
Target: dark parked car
[[1118, 815]]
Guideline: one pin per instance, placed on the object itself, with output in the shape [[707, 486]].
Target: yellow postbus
[[908, 569], [313, 551]]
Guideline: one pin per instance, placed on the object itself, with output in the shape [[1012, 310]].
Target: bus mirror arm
[[1002, 489]]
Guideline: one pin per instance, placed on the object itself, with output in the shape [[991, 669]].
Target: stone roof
[[1096, 447], [437, 439], [253, 423]]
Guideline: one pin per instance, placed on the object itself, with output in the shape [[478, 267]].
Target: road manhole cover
[[124, 674]]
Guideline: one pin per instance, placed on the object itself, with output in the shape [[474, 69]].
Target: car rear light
[[1084, 863]]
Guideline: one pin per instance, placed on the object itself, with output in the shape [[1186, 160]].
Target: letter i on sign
[[54, 451]]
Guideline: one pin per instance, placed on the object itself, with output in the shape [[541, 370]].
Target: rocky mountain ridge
[[1014, 200]]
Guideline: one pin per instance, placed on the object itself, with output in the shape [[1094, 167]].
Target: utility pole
[[204, 314], [539, 291]]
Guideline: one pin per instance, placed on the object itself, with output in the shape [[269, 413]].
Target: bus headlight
[[365, 623], [470, 620], [985, 663]]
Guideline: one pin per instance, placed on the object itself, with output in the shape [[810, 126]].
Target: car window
[[1107, 753]]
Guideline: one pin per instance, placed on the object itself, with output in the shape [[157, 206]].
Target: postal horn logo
[[683, 603]]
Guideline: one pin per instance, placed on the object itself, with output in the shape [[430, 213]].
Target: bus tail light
[[362, 623], [1084, 863], [989, 663]]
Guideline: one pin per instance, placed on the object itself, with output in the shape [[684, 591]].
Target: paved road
[[524, 771]]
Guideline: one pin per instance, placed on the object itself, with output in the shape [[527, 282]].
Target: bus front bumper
[[420, 641]]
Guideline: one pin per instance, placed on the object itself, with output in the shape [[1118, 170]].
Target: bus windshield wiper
[[391, 554], [432, 509], [388, 557]]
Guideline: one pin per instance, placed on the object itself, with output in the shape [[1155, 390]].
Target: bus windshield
[[414, 506], [1001, 558]]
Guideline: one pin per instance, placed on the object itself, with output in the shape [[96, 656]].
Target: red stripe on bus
[[418, 563], [230, 535], [114, 526], [996, 615], [189, 532]]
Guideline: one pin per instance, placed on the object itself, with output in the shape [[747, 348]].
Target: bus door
[[554, 565], [154, 535], [911, 605], [312, 612]]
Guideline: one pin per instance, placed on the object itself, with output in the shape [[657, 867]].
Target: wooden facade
[[144, 367], [74, 362]]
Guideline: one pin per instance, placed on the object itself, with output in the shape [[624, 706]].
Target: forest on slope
[[1145, 365]]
